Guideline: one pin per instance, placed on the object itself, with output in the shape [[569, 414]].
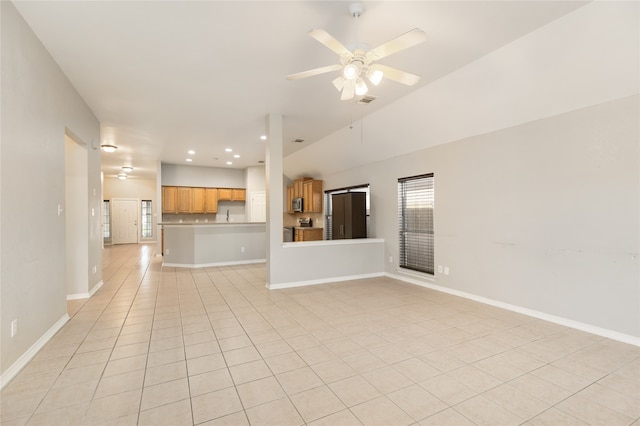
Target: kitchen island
[[203, 244]]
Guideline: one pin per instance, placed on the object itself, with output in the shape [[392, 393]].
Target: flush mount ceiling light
[[122, 176], [191, 152], [108, 148], [127, 169], [189, 159], [263, 137], [354, 63]]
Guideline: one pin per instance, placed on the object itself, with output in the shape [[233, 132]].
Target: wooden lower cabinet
[[308, 234]]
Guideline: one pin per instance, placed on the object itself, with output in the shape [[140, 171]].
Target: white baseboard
[[610, 334], [21, 362], [210, 265], [85, 295], [322, 281]]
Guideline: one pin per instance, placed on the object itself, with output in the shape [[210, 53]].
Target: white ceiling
[[163, 77]]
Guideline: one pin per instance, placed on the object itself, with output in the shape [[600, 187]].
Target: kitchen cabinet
[[210, 200], [298, 186], [290, 190], [312, 196], [184, 199], [349, 215], [169, 199], [232, 194], [308, 234], [197, 200]]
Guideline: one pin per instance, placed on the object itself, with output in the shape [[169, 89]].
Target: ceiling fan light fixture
[[352, 70], [361, 87], [375, 76], [348, 91], [108, 147]]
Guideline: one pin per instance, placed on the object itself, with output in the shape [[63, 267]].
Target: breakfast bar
[[197, 245]]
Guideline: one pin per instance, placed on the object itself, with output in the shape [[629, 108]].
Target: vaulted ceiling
[[165, 77]]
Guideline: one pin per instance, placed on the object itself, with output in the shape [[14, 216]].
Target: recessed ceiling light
[[191, 152], [263, 137], [189, 159], [236, 155], [228, 149], [229, 163]]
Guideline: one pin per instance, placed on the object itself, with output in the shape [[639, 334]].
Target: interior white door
[[259, 206], [124, 221]]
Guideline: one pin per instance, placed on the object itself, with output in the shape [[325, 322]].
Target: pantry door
[[124, 221]]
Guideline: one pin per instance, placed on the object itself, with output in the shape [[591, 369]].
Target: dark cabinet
[[349, 215]]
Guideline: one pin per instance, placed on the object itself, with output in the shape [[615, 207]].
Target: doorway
[[76, 218], [124, 220]]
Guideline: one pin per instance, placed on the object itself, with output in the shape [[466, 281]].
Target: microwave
[[296, 205]]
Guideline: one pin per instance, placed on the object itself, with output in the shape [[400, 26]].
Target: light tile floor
[[167, 346]]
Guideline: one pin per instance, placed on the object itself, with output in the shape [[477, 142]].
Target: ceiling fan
[[359, 62]]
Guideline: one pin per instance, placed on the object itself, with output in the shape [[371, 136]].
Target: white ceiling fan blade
[[397, 75], [349, 90], [406, 40], [327, 39], [315, 71]]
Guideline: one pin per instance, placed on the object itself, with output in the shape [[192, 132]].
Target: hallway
[[167, 346]]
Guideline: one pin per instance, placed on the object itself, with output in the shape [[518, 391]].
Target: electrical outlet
[[446, 270], [439, 269], [390, 259], [95, 269], [14, 328], [166, 251], [241, 249]]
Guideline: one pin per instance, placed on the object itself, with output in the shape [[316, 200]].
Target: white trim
[[21, 362], [208, 265], [78, 296], [322, 281], [96, 288], [614, 335], [332, 242], [91, 292]]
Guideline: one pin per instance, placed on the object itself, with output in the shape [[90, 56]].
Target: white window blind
[[415, 211], [106, 220]]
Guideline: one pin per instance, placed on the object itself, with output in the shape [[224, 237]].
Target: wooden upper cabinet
[[312, 196], [211, 200], [238, 194], [197, 200], [290, 197], [298, 186], [184, 199], [232, 194], [169, 199], [224, 194]]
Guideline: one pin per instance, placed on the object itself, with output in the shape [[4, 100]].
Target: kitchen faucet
[[227, 215]]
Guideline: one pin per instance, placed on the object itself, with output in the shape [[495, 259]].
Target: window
[[415, 210], [328, 231], [147, 219], [106, 221]]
